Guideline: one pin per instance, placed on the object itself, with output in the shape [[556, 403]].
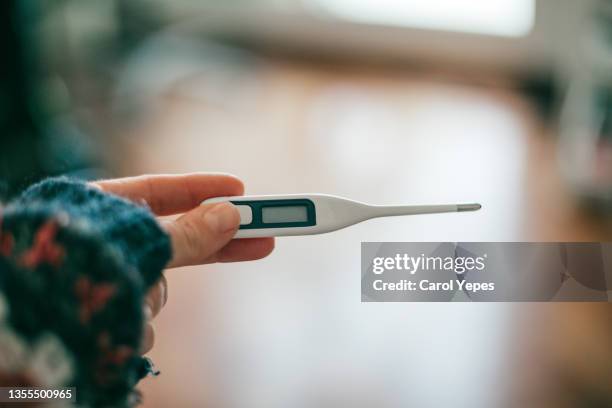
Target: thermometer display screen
[[284, 214], [277, 213]]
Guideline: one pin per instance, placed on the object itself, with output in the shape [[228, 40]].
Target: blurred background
[[503, 102]]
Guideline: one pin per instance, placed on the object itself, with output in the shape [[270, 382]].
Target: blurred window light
[[508, 18]]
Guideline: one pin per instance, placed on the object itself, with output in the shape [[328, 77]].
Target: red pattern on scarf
[[44, 249], [93, 297]]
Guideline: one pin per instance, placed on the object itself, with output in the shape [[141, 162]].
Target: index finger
[[167, 194]]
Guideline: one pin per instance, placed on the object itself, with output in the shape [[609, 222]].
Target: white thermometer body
[[306, 214]]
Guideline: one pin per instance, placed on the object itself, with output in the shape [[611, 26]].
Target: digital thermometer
[[296, 214]]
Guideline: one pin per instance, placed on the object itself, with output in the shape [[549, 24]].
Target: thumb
[[198, 234]]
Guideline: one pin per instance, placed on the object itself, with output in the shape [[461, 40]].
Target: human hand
[[202, 234]]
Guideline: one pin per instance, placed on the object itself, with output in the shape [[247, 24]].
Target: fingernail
[[164, 290], [222, 218], [148, 312]]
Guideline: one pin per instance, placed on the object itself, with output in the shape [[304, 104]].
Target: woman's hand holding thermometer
[[297, 214]]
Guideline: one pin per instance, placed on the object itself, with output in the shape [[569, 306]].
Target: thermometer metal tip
[[468, 207]]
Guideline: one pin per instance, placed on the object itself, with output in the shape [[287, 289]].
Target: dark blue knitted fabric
[[75, 265], [129, 228]]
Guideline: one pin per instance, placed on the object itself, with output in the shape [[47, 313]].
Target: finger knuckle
[[191, 237]]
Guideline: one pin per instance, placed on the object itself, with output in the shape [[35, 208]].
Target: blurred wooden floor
[[291, 328]]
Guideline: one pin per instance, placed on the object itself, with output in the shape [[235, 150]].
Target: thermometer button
[[246, 214]]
